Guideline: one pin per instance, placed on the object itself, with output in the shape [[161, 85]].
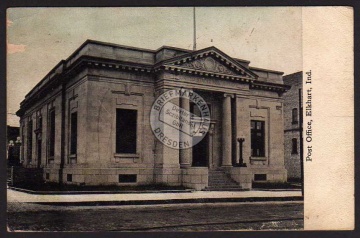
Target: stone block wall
[[272, 174], [292, 161], [292, 130], [242, 175], [291, 99], [168, 175], [101, 176], [195, 177]]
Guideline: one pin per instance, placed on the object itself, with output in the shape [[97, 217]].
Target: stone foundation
[[168, 176], [195, 177], [272, 174], [102, 176], [242, 175]]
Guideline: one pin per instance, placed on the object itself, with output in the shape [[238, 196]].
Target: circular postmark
[[180, 118]]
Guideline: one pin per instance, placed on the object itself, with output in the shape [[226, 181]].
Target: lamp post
[[17, 150], [241, 160], [10, 153]]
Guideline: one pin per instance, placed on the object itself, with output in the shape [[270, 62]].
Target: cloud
[[12, 49], [8, 23]]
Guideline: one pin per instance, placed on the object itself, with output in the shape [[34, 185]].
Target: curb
[[173, 201], [276, 189], [96, 192]]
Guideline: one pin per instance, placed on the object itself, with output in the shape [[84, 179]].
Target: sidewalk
[[154, 198]]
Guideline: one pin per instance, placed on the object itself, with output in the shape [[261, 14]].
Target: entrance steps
[[220, 181]]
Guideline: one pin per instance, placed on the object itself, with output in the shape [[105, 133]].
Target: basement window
[[259, 177], [127, 178], [69, 177]]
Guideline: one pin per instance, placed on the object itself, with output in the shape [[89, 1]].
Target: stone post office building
[[87, 121]]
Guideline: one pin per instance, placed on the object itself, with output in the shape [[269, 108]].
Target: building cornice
[[77, 62]]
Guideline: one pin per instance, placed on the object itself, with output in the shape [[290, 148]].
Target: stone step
[[225, 186], [219, 178], [224, 189], [220, 181]]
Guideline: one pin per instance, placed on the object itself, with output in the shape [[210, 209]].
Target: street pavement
[[30, 212], [164, 217]]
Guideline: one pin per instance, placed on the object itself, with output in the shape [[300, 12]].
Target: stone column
[[185, 154], [226, 131], [211, 145]]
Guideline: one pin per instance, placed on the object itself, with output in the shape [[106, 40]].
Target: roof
[[149, 58]]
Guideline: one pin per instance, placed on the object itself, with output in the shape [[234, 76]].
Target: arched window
[[294, 116], [294, 146]]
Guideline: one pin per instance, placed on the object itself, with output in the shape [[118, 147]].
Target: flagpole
[[194, 46]]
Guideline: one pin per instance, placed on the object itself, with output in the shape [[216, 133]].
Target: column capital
[[228, 95], [186, 89]]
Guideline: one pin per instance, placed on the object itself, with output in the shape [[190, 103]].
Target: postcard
[[180, 118]]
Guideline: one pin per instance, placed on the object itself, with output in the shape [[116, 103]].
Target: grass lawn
[[67, 187]]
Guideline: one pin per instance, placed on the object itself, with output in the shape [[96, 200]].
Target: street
[[174, 217]]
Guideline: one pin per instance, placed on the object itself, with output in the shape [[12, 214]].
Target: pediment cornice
[[211, 61]]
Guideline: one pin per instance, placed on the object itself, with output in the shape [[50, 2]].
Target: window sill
[[258, 158], [126, 156], [73, 159]]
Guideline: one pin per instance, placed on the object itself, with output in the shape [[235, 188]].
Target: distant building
[[13, 145], [292, 125], [88, 120], [12, 132]]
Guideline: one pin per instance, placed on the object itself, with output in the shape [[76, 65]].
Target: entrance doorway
[[201, 153]]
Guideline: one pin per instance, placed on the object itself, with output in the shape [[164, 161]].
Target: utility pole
[[301, 143], [194, 45]]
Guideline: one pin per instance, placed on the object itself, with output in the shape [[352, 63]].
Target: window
[[73, 133], [30, 140], [52, 133], [126, 123], [22, 141], [39, 124], [294, 146], [69, 177], [257, 138], [259, 177], [127, 178], [294, 116]]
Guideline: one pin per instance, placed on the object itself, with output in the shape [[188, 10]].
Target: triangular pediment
[[210, 60]]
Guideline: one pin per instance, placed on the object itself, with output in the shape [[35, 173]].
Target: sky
[[38, 38]]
